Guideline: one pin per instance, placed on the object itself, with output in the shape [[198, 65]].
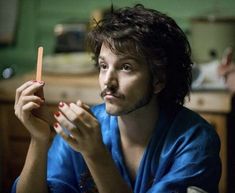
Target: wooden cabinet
[[14, 143], [214, 107], [14, 138]]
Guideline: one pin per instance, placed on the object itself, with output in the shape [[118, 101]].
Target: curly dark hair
[[154, 37]]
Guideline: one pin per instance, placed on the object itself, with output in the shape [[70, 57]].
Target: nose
[[111, 79]]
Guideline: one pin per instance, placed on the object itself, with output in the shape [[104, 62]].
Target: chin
[[117, 110], [113, 109]]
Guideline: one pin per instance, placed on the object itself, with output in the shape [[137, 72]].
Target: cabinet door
[[219, 123], [14, 144]]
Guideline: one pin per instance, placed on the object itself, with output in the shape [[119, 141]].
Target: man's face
[[125, 83]]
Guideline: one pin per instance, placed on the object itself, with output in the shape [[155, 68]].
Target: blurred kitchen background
[[60, 26]]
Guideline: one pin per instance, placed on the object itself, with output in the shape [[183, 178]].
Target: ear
[[158, 86]]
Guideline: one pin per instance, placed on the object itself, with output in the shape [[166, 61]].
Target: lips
[[109, 97], [109, 94]]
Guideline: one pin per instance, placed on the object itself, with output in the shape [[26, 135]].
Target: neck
[[137, 126]]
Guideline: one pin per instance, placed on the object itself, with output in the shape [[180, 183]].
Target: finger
[[26, 99], [83, 105], [32, 89], [26, 109], [30, 106], [27, 103], [31, 98], [21, 88], [75, 118], [69, 138], [71, 115], [72, 129], [84, 115]]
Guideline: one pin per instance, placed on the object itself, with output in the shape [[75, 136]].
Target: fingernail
[[57, 114], [61, 104], [57, 128]]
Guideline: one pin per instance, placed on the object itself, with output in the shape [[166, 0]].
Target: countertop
[[57, 87]]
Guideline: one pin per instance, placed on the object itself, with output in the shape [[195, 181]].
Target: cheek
[[136, 88]]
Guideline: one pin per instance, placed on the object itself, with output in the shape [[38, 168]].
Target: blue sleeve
[[192, 160], [66, 168], [62, 174]]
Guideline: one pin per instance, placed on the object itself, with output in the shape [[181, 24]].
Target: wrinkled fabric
[[183, 151]]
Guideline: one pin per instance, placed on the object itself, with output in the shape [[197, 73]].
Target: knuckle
[[81, 114], [74, 118], [16, 113], [23, 99], [23, 92], [24, 108], [18, 90]]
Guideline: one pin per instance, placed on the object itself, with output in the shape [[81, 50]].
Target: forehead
[[108, 51]]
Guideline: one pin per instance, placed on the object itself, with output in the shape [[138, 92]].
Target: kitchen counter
[[57, 88]]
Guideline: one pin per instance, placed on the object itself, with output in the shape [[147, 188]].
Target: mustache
[[108, 91]]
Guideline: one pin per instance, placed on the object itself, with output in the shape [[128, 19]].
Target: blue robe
[[183, 151]]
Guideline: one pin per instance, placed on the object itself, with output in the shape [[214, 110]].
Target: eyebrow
[[126, 57], [101, 57]]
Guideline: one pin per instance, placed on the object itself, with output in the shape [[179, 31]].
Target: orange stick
[[39, 64]]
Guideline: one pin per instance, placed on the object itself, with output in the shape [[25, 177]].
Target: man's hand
[[30, 108], [79, 128]]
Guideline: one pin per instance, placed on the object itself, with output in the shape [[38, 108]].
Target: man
[[226, 69], [141, 139]]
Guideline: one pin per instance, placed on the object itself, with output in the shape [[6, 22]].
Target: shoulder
[[188, 119], [191, 151], [188, 127]]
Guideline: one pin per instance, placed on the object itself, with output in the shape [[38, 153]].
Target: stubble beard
[[139, 104]]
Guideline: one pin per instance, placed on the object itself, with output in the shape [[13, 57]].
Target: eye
[[103, 66], [126, 67]]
